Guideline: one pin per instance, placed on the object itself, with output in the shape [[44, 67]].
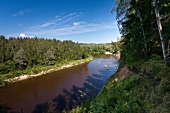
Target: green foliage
[[49, 57], [134, 94], [138, 26], [154, 67], [116, 98], [79, 109], [20, 59], [31, 55]]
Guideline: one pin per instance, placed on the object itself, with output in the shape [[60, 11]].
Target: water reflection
[[60, 90], [42, 108]]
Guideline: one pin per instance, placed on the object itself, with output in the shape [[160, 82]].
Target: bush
[[154, 67]]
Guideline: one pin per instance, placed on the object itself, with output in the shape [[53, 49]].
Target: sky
[[83, 21]]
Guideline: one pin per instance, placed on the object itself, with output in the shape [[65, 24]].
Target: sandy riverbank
[[117, 55], [108, 53], [52, 69]]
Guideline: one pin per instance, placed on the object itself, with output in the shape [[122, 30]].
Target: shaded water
[[59, 90]]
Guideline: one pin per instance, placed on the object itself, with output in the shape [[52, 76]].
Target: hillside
[[145, 91]]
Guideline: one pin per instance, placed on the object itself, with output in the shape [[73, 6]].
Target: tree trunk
[[160, 31]]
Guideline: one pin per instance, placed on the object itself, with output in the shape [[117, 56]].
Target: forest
[[91, 48], [26, 55], [31, 55], [145, 50], [144, 26]]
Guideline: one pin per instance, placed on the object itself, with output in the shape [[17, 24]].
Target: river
[[59, 90]]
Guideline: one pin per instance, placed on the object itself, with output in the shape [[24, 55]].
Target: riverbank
[[117, 55], [121, 73], [48, 69]]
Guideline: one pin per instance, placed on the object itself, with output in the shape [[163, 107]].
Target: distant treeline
[[101, 48], [23, 53]]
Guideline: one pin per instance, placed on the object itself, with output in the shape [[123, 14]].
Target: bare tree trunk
[[160, 30]]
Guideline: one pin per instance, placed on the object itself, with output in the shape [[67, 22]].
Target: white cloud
[[65, 25], [70, 15], [47, 24], [76, 23], [22, 35], [19, 13], [58, 20], [22, 12], [67, 30]]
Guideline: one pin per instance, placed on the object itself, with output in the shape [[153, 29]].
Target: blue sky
[[84, 21]]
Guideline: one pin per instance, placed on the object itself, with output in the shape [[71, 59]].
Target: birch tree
[[156, 7]]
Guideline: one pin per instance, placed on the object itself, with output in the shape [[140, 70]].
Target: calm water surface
[[59, 90]]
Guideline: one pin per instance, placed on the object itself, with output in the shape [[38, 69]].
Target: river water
[[59, 90]]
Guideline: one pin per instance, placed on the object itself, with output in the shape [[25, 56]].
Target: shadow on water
[[42, 108], [70, 99], [6, 109], [77, 95], [60, 103]]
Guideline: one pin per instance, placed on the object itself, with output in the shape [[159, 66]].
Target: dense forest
[[26, 55], [145, 50], [144, 26]]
